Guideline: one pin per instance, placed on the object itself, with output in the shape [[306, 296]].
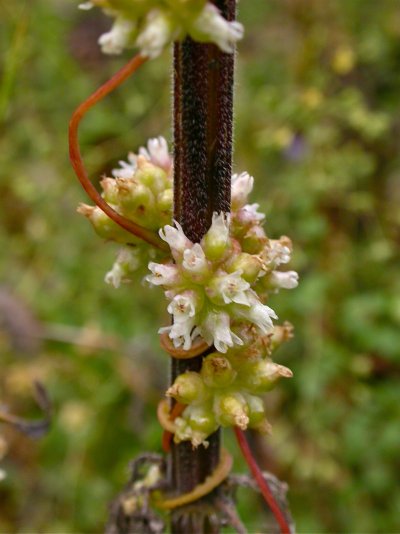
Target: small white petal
[[194, 260], [216, 329], [85, 6], [212, 25], [285, 280], [159, 155], [156, 34], [114, 41], [242, 185], [165, 274], [175, 238]]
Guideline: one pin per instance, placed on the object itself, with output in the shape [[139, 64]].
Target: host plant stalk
[[203, 116]]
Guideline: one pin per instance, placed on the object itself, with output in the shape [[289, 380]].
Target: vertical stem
[[203, 111]]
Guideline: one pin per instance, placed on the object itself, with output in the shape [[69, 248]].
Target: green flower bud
[[201, 419], [187, 388], [105, 227], [137, 202], [165, 202], [110, 190], [249, 264], [260, 376], [151, 175], [217, 371], [216, 242], [255, 240], [231, 410], [256, 410]]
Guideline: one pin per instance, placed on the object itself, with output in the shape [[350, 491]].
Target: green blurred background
[[318, 124]]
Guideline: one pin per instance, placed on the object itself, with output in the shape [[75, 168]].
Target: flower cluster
[[226, 391], [141, 190], [217, 291], [152, 24]]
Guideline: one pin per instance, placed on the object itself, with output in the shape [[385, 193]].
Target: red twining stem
[[77, 161], [262, 483]]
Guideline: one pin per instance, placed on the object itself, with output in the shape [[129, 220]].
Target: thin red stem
[[262, 483], [77, 161]]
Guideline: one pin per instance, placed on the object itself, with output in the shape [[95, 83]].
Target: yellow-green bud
[[165, 201], [110, 190], [150, 175], [256, 410], [105, 227], [201, 419], [187, 388], [217, 371], [249, 264], [216, 242], [260, 376], [231, 410], [255, 240], [137, 202]]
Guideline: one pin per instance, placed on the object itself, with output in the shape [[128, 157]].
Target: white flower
[[166, 274], [3, 474], [257, 313], [242, 185], [180, 333], [216, 330], [128, 260], [229, 288], [127, 170], [183, 306], [195, 261], [210, 25], [285, 280], [157, 152], [156, 34], [248, 215], [85, 6], [175, 238], [278, 252], [114, 41]]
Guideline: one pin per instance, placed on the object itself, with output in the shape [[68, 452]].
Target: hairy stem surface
[[203, 110]]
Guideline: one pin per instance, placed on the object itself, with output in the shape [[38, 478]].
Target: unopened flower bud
[[256, 410], [260, 376], [151, 175], [281, 334], [231, 410], [137, 202], [105, 227], [248, 264], [187, 388], [165, 201], [217, 371], [201, 418], [255, 240], [216, 242], [110, 190]]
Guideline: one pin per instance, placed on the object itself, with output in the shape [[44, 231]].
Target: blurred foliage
[[318, 124]]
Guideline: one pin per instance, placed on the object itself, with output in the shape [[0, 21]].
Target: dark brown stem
[[203, 110]]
